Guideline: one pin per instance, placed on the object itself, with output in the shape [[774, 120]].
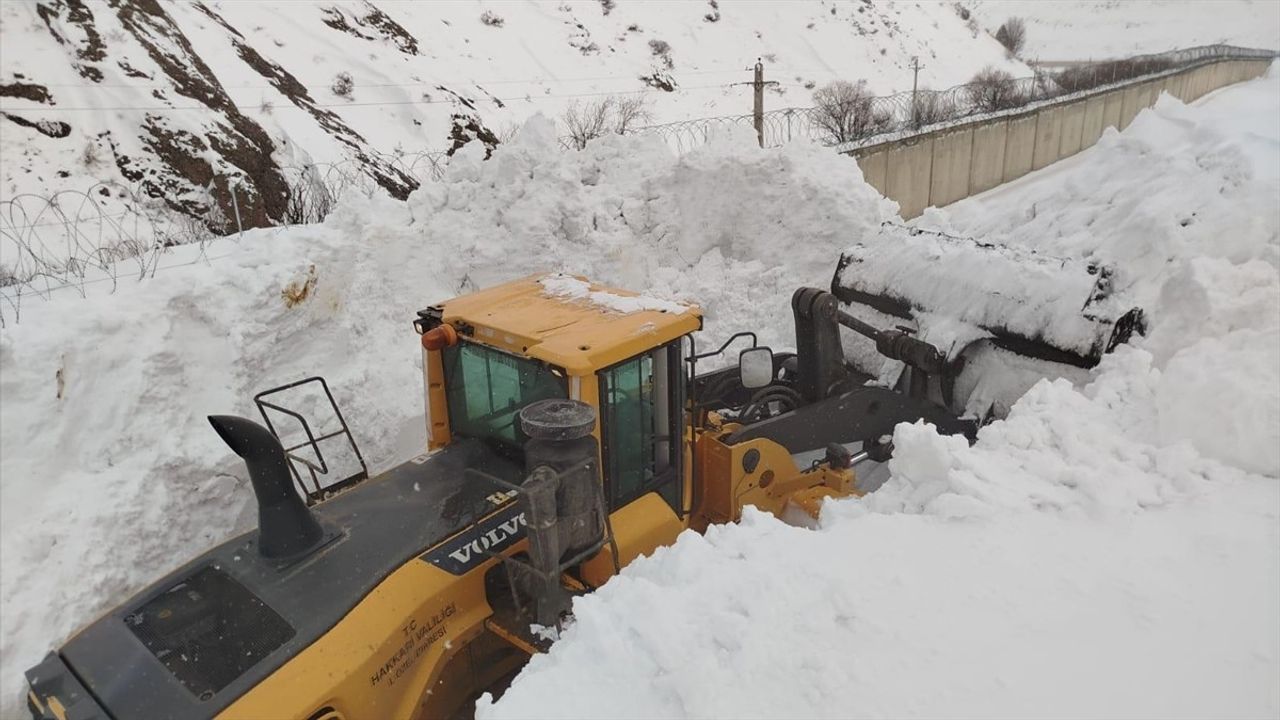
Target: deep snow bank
[[1104, 552], [111, 474]]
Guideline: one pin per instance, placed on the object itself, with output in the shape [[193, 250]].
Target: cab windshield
[[486, 389]]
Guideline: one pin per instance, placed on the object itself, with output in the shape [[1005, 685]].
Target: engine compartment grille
[[208, 629]]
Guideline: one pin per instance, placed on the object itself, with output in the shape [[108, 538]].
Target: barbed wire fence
[[110, 231], [78, 240], [867, 119]]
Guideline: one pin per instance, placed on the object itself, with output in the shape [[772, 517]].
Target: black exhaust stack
[[285, 525]]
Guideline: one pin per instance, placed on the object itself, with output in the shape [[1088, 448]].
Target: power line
[[253, 106], [501, 81]]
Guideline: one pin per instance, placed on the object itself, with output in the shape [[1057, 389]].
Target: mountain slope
[[192, 102]]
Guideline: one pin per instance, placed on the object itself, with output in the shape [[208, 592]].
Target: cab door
[[641, 448]]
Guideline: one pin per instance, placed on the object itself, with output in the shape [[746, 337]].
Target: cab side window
[[640, 405]]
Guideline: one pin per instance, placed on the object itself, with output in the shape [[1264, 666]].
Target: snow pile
[[111, 474], [1111, 550], [731, 229], [568, 287], [1040, 297]]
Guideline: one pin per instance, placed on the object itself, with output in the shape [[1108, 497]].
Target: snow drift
[[1108, 550]]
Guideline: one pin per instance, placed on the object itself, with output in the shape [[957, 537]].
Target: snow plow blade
[[1033, 304]]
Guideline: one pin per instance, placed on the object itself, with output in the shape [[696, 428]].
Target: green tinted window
[[486, 388], [641, 407], [628, 410]]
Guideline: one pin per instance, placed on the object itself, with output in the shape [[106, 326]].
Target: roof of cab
[[569, 321]]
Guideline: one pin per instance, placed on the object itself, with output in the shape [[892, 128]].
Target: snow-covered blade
[[1051, 308]]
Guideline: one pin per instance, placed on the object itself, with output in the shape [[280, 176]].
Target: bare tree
[[846, 111], [616, 114], [1013, 35], [630, 112], [993, 89], [588, 121]]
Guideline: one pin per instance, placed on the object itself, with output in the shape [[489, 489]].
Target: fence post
[[757, 110]]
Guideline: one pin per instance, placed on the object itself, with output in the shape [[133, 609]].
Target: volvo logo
[[476, 544]]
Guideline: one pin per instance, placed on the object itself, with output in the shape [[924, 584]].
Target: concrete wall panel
[[1072, 129], [873, 168], [907, 176], [1111, 108], [1207, 80], [1201, 81], [1091, 122], [1129, 106], [949, 179], [1178, 86], [1189, 85], [986, 165], [1048, 137], [1020, 147], [1147, 94]]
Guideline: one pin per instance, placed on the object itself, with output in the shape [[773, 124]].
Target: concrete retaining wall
[[986, 166], [941, 167], [1021, 149], [908, 175]]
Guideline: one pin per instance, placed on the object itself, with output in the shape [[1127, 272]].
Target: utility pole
[[757, 111], [915, 84]]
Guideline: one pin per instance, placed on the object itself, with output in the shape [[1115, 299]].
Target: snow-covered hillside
[[1102, 29], [191, 98], [1110, 550]]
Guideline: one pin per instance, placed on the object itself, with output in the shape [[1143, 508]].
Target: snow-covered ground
[[1103, 29], [1100, 543], [1111, 550]]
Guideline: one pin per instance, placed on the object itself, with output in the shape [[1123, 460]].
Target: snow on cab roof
[[569, 321]]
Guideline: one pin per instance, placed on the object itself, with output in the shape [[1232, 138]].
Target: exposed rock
[[71, 24], [52, 128], [238, 140], [27, 91], [374, 24], [467, 128]]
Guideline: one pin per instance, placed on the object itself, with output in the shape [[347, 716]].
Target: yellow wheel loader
[[567, 434]]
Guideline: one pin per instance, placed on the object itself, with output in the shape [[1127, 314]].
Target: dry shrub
[[613, 114], [847, 111], [931, 107], [993, 89]]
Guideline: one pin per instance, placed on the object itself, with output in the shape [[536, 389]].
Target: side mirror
[[755, 367]]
